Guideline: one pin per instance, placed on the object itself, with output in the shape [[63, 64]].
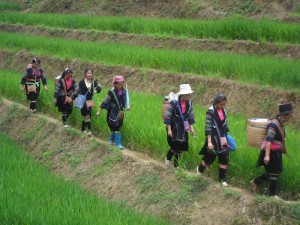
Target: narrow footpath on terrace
[[134, 178]]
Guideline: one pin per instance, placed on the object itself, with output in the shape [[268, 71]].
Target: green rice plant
[[9, 6], [234, 28], [298, 8], [29, 194], [144, 131], [261, 70]]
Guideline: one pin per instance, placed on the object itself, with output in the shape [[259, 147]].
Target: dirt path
[[235, 47], [134, 178]]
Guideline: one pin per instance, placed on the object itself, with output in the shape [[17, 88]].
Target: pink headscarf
[[117, 79]]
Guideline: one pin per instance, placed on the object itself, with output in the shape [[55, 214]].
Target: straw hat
[[185, 89]]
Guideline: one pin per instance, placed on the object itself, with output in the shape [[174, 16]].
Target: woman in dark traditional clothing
[[115, 103], [87, 86], [272, 149], [31, 82], [216, 129], [62, 95], [179, 119]]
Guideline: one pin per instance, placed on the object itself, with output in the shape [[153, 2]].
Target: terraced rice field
[[261, 69], [150, 136]]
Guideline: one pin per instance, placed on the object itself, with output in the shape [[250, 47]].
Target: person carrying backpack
[[216, 129], [62, 94], [272, 149], [115, 103], [87, 87], [179, 120], [31, 82]]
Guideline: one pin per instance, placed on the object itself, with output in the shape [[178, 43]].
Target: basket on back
[[165, 104], [56, 79], [256, 131]]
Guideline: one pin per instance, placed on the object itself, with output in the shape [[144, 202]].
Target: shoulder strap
[[280, 129], [217, 127], [180, 111], [34, 76], [116, 98], [214, 119], [218, 131], [64, 85]]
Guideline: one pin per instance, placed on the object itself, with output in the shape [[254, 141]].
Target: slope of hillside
[[133, 178], [136, 179]]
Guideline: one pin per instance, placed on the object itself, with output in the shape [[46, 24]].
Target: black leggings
[[32, 97], [170, 154]]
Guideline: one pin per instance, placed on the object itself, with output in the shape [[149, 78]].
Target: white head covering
[[185, 89]]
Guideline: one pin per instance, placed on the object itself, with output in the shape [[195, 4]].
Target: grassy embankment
[[230, 29], [268, 71], [30, 195]]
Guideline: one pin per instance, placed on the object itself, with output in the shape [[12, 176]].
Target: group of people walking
[[66, 91], [178, 118]]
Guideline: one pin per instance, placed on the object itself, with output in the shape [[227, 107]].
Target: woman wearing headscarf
[[115, 103], [31, 82], [87, 86], [216, 129], [62, 95], [179, 119], [272, 149]]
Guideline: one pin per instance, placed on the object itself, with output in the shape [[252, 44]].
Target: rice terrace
[[70, 166]]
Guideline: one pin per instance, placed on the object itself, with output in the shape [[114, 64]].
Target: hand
[[45, 87], [55, 101], [170, 133], [98, 113], [68, 100], [284, 151], [267, 159], [23, 88], [193, 132], [210, 146]]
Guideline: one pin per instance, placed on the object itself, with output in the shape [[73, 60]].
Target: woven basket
[[165, 105], [56, 79], [256, 131]]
